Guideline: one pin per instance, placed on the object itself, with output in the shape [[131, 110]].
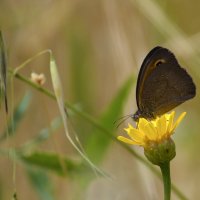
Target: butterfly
[[162, 84]]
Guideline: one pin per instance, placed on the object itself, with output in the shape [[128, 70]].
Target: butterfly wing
[[166, 87], [145, 69]]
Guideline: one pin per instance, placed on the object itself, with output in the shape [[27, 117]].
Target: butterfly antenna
[[121, 120]]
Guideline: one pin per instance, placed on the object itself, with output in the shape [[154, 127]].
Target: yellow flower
[[154, 136], [154, 131]]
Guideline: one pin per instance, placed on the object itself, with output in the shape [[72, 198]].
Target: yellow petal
[[126, 140], [142, 125], [154, 122], [170, 121], [151, 131], [168, 115], [136, 135], [161, 126], [129, 128], [180, 118]]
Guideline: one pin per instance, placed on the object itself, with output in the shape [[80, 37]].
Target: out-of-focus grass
[[97, 45]]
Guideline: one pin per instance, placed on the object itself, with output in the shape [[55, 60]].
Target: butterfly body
[[162, 84]]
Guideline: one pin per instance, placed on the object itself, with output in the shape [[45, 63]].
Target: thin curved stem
[[165, 169]]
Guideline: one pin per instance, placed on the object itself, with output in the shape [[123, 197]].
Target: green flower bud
[[160, 152]]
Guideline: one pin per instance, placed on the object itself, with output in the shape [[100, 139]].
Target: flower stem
[[165, 169]]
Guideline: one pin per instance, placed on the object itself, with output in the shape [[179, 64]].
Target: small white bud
[[39, 79]]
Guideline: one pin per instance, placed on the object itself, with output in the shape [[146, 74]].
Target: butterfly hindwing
[[165, 88]]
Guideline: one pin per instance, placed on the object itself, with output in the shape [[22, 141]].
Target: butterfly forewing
[[162, 84]]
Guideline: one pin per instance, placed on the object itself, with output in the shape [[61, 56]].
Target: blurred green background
[[98, 47]]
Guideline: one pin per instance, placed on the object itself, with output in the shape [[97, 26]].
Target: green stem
[[165, 169]]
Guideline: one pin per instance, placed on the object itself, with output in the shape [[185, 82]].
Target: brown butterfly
[[162, 84]]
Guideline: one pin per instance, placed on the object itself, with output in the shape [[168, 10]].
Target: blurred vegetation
[[98, 47]]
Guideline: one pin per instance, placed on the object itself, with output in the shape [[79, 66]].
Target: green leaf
[[98, 143], [18, 115], [41, 183], [54, 162]]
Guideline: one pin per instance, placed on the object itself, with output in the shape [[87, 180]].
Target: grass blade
[[18, 115], [50, 161], [3, 71]]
